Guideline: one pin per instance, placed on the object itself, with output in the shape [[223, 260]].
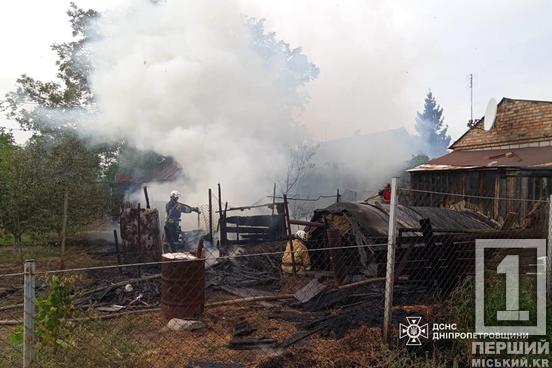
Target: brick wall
[[518, 123]]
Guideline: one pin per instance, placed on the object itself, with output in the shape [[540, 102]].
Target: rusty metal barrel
[[182, 286]]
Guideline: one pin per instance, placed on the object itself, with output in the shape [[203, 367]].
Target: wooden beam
[[305, 223]]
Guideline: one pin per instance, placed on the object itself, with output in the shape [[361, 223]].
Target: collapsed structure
[[431, 241], [468, 194]]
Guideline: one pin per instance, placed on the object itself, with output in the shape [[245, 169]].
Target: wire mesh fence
[[437, 234], [11, 316], [320, 301], [477, 263], [241, 309]]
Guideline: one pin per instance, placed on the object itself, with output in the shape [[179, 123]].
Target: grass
[[95, 344], [28, 239], [7, 253], [87, 345], [461, 308], [136, 341]]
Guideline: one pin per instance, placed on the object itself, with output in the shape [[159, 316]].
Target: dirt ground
[[163, 348], [147, 336]]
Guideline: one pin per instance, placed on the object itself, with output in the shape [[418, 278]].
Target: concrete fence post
[[390, 269], [549, 252], [29, 353]]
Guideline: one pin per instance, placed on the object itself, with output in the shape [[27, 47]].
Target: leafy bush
[[54, 311]]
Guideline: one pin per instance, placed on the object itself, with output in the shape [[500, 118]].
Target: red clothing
[[386, 194]]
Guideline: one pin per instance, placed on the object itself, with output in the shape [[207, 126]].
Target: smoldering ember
[[232, 184]]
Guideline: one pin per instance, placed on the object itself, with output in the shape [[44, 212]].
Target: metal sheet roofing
[[528, 157], [374, 219]]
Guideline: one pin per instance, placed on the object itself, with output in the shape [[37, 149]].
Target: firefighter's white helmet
[[301, 234], [175, 194]]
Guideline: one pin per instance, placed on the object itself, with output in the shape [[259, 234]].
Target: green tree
[[59, 162], [431, 127], [19, 190], [414, 161], [69, 166], [39, 105], [33, 102]]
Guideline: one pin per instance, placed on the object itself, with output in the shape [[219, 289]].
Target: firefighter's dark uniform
[[172, 221]]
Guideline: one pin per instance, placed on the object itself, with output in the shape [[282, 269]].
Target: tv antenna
[[471, 123], [490, 114]]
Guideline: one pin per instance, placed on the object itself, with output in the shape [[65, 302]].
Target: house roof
[[166, 172], [529, 157], [516, 121]]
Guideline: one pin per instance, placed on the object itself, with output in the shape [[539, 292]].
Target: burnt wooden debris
[[435, 246], [252, 343], [238, 229], [309, 291], [243, 328], [145, 292], [207, 364], [351, 308], [347, 246], [254, 229], [140, 234], [240, 273]]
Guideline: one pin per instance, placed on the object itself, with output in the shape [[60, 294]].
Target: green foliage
[[68, 165], [18, 190], [139, 163], [414, 161], [53, 313], [16, 337], [31, 100], [461, 305], [34, 177], [431, 127], [99, 344]]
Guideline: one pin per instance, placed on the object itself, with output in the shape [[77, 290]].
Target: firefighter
[[172, 220], [384, 194], [300, 254]]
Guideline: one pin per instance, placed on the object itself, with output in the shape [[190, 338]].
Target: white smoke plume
[[197, 80]]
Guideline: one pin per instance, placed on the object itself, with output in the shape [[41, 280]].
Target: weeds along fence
[[367, 267], [444, 243], [451, 245], [11, 310], [237, 309]]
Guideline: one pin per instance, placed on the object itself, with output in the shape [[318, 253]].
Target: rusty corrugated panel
[[529, 157], [140, 234]]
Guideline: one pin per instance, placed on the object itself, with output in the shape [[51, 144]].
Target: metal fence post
[[549, 252], [290, 239], [29, 354], [210, 217], [390, 269]]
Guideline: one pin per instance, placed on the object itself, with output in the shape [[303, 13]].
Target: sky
[[377, 59]]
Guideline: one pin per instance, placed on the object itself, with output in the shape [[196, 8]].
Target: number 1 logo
[[509, 266]]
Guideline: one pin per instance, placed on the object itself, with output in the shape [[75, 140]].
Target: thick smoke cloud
[[198, 81]]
